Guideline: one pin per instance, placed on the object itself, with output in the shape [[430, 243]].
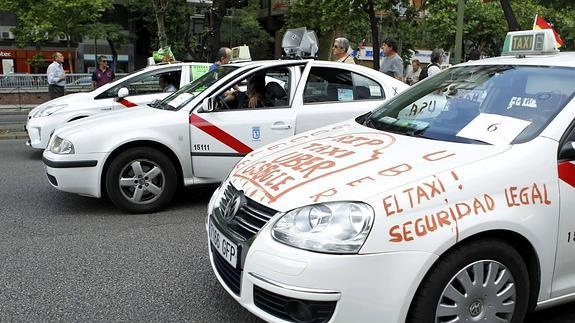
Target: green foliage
[[329, 18], [485, 26], [242, 28], [42, 20], [176, 22]]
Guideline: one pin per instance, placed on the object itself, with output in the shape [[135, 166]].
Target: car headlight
[[61, 146], [335, 227], [48, 110]]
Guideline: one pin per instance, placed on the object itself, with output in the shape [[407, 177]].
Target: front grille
[[250, 217], [231, 276], [293, 309]]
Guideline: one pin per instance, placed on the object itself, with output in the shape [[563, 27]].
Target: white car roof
[[565, 59]]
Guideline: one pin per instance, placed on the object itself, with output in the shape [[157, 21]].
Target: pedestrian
[[165, 82], [56, 76], [392, 64], [224, 57], [103, 74], [340, 51], [414, 70], [474, 54], [436, 61]]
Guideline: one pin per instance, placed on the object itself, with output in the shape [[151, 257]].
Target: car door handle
[[280, 126]]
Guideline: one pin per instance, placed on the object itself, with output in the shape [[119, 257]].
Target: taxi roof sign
[[241, 54], [529, 42]]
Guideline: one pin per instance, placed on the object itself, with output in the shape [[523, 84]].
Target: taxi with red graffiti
[[452, 202], [138, 157], [139, 88]]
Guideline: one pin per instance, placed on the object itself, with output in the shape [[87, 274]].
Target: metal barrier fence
[[74, 82]]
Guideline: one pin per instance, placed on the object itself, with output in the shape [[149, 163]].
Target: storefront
[[31, 61]]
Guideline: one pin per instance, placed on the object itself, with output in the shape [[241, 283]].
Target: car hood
[[106, 123], [69, 99], [345, 162]]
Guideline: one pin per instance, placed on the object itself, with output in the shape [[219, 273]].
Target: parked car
[[452, 202], [140, 87], [139, 156]]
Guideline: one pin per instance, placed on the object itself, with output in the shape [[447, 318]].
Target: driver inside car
[[253, 97]]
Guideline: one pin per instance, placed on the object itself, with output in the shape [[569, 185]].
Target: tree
[[509, 16], [355, 20], [112, 34], [245, 29], [43, 20], [485, 24], [173, 16]]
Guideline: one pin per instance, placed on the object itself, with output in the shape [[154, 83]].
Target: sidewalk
[[14, 129]]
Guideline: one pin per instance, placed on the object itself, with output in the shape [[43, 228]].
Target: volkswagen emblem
[[476, 308], [233, 205]]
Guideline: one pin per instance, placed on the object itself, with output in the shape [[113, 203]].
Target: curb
[[13, 135], [13, 112]]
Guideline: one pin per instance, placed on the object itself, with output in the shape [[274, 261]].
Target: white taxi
[[452, 202], [139, 156], [138, 88]]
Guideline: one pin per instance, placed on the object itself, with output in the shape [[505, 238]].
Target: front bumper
[[351, 288], [40, 129], [75, 173]]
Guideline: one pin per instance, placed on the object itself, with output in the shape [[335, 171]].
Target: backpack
[[423, 73]]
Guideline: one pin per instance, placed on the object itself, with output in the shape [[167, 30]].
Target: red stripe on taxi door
[[567, 172], [126, 103], [219, 134]]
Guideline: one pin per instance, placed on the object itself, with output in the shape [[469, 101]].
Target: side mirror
[[207, 105], [567, 151], [123, 92]]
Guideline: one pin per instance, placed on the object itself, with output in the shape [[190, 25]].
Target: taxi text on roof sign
[[530, 42]]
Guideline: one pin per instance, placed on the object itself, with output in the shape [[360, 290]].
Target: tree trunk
[[160, 12], [509, 16], [374, 33], [216, 18], [114, 53]]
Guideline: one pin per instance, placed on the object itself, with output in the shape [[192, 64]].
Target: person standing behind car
[[412, 76], [103, 74], [436, 61], [340, 48], [392, 64], [56, 76], [224, 57]]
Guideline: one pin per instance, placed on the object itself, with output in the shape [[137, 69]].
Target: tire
[[141, 180], [446, 294]]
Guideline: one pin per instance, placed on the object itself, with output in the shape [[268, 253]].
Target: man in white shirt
[[56, 76]]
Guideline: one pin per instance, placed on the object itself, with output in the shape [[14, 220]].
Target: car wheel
[[141, 180], [479, 281]]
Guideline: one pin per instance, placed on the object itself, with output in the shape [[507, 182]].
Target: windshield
[[180, 98], [493, 104]]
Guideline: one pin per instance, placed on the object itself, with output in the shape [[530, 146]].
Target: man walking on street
[[103, 74], [56, 76]]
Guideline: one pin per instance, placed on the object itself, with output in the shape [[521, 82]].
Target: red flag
[[540, 23]]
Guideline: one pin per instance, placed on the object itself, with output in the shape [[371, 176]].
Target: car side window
[[366, 89], [328, 85], [144, 84], [267, 88], [150, 84]]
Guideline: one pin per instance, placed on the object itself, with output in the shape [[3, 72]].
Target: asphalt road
[[69, 258]]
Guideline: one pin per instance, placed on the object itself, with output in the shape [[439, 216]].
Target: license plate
[[227, 249]]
